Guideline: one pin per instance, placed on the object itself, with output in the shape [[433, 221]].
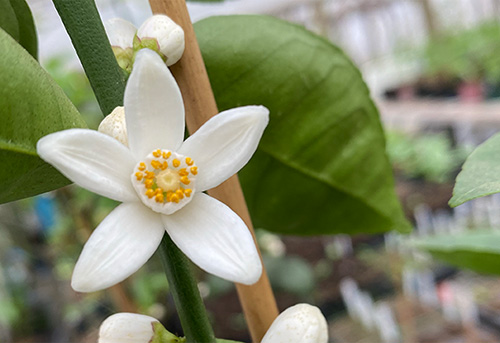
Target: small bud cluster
[[159, 33]]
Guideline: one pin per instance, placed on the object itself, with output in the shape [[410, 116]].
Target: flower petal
[[92, 160], [215, 239], [225, 143], [120, 245], [301, 323], [120, 32], [154, 110], [127, 327]]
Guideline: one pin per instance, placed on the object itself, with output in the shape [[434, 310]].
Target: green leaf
[[476, 250], [290, 274], [17, 21], [27, 31], [31, 106], [480, 173], [321, 166], [8, 19]]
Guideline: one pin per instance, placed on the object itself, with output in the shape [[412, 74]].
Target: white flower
[[168, 36], [160, 180], [301, 323]]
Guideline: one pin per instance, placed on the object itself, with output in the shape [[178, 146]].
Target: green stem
[[186, 295], [84, 26]]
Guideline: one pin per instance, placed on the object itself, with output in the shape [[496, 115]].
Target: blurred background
[[433, 68]]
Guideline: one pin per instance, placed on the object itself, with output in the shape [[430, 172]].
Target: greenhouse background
[[433, 70]]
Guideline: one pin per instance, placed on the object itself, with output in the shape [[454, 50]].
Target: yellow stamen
[[166, 154], [169, 196], [159, 191], [164, 165], [188, 192], [176, 162], [157, 153], [156, 164], [179, 193], [150, 175], [194, 170], [174, 198], [183, 172], [150, 193], [189, 161], [159, 197], [148, 183], [185, 180], [142, 166], [139, 176]]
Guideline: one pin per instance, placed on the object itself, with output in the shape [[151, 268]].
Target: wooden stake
[[257, 300]]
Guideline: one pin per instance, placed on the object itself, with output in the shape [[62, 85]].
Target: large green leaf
[[480, 173], [321, 167], [31, 106], [17, 21], [476, 250]]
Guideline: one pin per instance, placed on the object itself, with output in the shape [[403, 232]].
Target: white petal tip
[[251, 275]]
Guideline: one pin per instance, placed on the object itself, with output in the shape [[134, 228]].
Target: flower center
[[165, 180]]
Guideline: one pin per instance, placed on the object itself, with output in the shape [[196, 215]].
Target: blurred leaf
[[480, 173], [31, 106], [17, 21], [321, 166], [27, 31], [476, 250], [431, 156], [290, 274]]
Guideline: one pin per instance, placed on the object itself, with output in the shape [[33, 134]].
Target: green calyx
[[124, 57], [147, 43], [161, 335]]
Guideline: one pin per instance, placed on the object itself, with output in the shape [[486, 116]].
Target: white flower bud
[[127, 327], [114, 125], [168, 34], [120, 32], [301, 323]]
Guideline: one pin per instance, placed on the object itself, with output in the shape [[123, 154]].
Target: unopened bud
[[134, 328], [301, 323], [114, 125], [168, 35]]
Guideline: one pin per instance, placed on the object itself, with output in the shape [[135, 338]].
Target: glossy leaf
[[8, 19], [476, 250], [27, 31], [480, 173], [321, 167], [31, 106], [17, 21]]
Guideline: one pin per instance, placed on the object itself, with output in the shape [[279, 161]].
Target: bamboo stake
[[257, 300]]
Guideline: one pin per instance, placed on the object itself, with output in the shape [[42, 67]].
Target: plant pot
[[471, 91]]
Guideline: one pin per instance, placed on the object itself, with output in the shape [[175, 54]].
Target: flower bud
[[127, 327], [114, 125], [168, 35], [121, 35], [301, 323], [134, 328]]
